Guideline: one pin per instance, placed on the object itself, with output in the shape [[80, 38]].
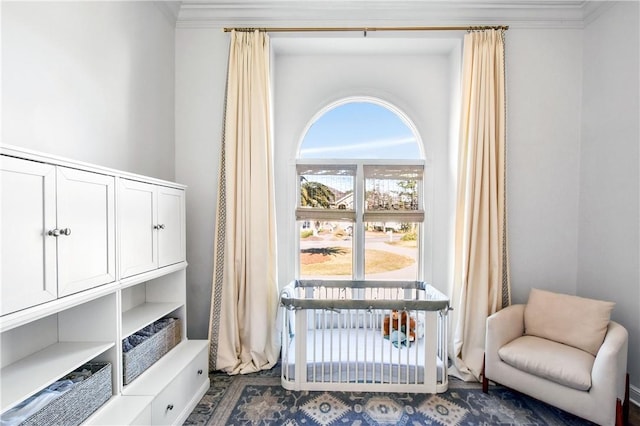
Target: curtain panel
[[242, 331], [481, 272]]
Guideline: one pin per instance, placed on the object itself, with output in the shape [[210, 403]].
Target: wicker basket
[[144, 355], [83, 399]]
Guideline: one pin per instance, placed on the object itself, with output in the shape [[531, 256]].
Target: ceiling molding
[[265, 13], [595, 9], [170, 9]]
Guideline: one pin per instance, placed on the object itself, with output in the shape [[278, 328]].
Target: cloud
[[366, 146]]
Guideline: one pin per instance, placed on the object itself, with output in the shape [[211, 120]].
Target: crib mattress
[[358, 355]]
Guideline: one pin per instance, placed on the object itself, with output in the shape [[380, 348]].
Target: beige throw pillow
[[572, 320]]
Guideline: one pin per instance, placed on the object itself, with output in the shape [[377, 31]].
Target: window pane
[[391, 251], [326, 249], [326, 186], [360, 130], [392, 188]]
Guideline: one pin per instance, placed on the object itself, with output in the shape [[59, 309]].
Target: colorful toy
[[398, 321]]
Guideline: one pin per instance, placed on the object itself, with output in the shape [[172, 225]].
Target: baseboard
[[634, 395]]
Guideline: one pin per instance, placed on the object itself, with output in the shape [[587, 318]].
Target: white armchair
[[562, 350]]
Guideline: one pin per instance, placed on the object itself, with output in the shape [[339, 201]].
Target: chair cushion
[[550, 360], [572, 320]]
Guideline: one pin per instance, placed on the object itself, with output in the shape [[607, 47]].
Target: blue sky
[[360, 130]]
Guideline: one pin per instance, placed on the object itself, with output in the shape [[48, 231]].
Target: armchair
[[563, 350]]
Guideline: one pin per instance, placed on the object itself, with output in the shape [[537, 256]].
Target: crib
[[332, 336]]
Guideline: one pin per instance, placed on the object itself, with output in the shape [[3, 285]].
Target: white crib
[[332, 337]]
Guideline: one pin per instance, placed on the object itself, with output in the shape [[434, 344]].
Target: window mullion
[[359, 231]]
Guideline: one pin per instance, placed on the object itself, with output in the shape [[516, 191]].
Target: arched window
[[360, 210]]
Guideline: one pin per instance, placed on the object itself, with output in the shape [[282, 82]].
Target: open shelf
[[142, 315], [33, 373], [160, 374]]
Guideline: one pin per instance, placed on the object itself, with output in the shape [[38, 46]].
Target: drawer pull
[[169, 407], [199, 372]]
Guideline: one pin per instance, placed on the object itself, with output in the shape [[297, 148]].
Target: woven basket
[[83, 399], [143, 356]]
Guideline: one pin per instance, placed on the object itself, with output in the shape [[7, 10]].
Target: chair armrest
[[610, 366], [503, 327]]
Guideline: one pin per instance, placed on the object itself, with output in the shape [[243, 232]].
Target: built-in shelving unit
[[75, 228]]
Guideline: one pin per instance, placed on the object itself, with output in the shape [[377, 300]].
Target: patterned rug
[[259, 399]]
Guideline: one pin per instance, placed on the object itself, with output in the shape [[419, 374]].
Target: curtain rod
[[366, 29]]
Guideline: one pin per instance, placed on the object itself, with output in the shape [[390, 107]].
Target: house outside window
[[360, 194]]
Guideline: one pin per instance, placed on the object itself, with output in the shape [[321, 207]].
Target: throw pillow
[[572, 320]]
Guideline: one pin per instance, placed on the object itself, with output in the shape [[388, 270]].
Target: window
[[360, 208]]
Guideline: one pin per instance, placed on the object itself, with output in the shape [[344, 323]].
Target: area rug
[[259, 399]]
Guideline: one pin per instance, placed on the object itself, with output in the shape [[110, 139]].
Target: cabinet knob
[[161, 226], [57, 232], [200, 372], [169, 407]]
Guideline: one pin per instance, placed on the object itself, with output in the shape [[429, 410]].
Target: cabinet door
[[171, 224], [86, 220], [27, 253], [137, 216]]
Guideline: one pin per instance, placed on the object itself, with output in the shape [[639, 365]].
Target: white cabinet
[[171, 226], [86, 219], [58, 232], [152, 233], [65, 302], [28, 255], [177, 382]]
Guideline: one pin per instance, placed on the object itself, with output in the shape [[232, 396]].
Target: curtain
[[481, 272], [242, 330]]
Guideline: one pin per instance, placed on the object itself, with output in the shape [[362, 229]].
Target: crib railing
[[333, 336]]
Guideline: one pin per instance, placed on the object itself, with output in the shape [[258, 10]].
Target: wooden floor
[[634, 414]]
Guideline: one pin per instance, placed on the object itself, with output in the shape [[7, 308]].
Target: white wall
[[544, 72], [201, 72], [92, 81], [609, 238], [417, 85]]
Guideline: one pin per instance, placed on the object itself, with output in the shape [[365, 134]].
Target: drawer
[[144, 418], [197, 372], [172, 402], [168, 404]]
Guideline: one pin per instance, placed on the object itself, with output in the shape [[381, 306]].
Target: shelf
[[29, 375], [16, 319], [160, 374], [148, 276], [142, 315]]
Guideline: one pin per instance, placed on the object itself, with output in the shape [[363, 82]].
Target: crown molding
[[594, 9], [170, 9], [265, 13]]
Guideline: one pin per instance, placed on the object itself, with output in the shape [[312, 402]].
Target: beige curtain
[[481, 275], [244, 297]]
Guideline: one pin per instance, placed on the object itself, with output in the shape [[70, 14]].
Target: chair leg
[[622, 408], [485, 381], [625, 405], [619, 413]]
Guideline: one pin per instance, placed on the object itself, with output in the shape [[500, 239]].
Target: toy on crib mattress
[[397, 321]]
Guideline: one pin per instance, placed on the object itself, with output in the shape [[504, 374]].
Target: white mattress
[[357, 355]]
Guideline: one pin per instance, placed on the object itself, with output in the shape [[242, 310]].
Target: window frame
[[359, 212]]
